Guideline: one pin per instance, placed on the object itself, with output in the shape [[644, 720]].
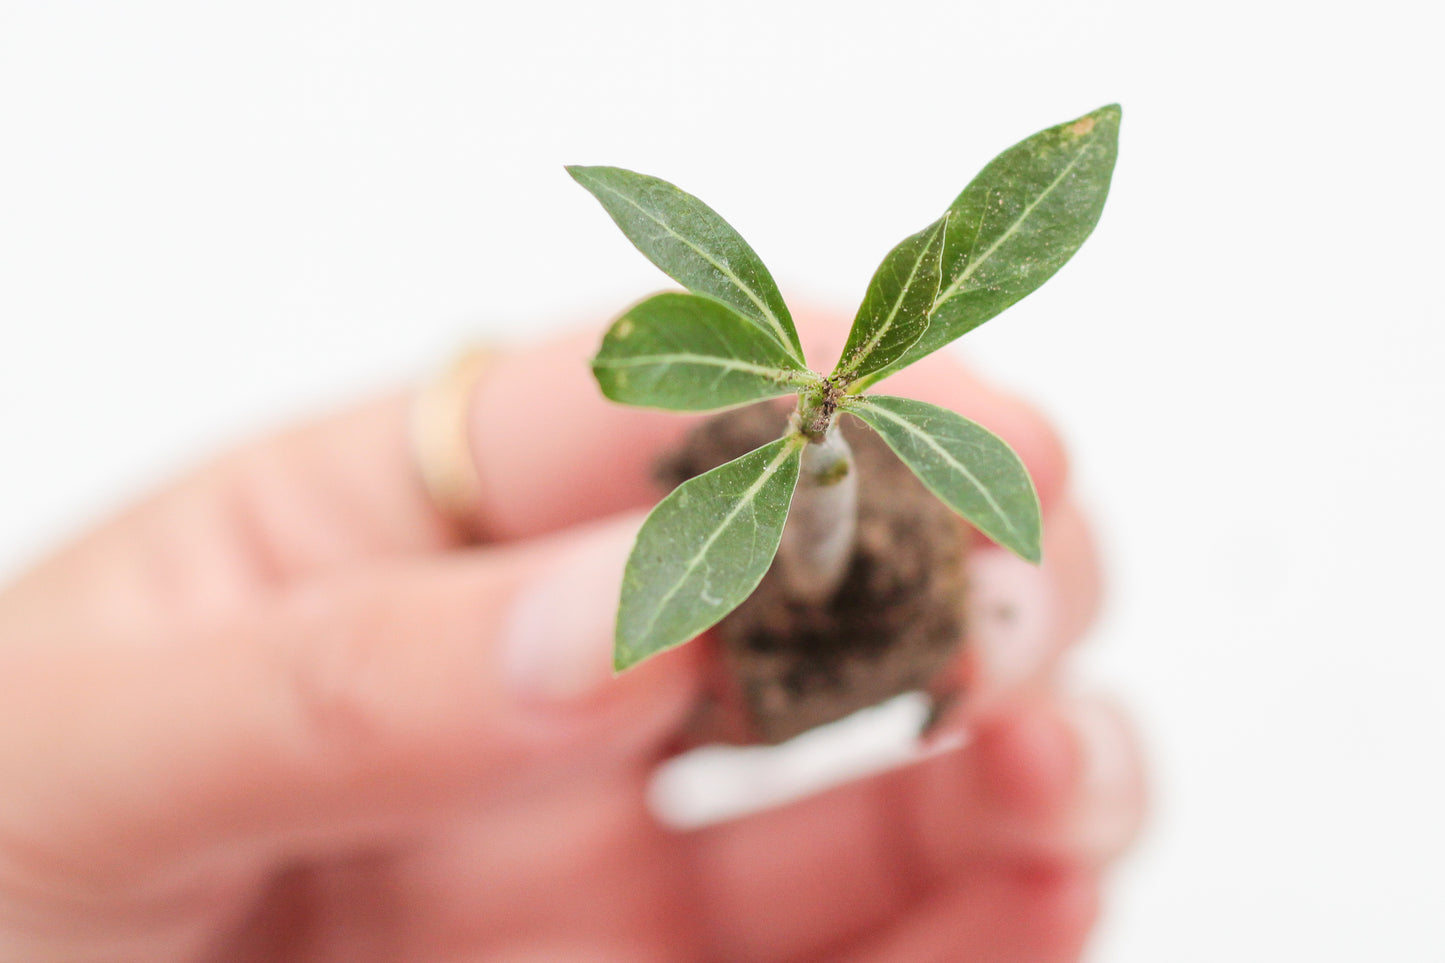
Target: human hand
[[282, 712]]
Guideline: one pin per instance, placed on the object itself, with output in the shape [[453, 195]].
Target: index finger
[[551, 451]]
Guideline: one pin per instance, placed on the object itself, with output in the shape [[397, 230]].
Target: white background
[[214, 218]]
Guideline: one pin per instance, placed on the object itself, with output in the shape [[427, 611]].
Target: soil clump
[[893, 625]]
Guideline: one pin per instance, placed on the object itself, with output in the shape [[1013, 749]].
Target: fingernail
[[1011, 615], [1109, 807], [1106, 746], [557, 643]]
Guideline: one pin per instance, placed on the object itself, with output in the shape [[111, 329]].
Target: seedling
[[731, 341]]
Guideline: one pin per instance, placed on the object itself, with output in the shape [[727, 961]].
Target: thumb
[[364, 702]]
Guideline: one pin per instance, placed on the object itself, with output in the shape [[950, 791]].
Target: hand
[[281, 712]]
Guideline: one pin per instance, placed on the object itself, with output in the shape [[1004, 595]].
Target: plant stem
[[817, 541]]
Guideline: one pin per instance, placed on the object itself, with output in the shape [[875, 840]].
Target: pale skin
[[280, 711]]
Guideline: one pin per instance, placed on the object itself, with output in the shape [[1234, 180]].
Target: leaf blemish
[[623, 328], [1081, 126]]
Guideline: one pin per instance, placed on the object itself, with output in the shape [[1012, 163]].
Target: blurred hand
[[282, 712]]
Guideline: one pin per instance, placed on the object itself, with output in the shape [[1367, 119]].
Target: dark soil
[[893, 625]]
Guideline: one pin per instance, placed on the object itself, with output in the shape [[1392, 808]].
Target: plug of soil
[[799, 654]]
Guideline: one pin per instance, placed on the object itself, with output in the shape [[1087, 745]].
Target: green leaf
[[703, 550], [894, 312], [1017, 223], [685, 352], [693, 246], [973, 470]]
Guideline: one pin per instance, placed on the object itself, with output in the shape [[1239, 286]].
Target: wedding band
[[440, 440]]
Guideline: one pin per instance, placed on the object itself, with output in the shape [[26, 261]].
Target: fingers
[[1045, 780], [552, 451], [265, 515], [579, 867], [1044, 784], [989, 853], [1013, 914], [1022, 619], [485, 672], [338, 710]]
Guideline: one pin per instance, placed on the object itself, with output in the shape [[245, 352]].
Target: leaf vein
[[703, 360], [700, 556], [861, 356], [947, 456], [778, 331], [974, 263]]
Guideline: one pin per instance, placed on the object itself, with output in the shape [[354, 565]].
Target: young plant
[[731, 341]]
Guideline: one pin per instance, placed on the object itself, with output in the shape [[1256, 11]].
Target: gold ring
[[440, 440]]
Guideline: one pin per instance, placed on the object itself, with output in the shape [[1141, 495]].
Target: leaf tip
[[623, 657], [1033, 553], [579, 172], [1031, 544], [1104, 117], [1027, 545]]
